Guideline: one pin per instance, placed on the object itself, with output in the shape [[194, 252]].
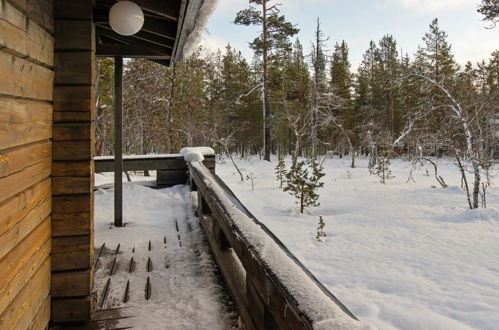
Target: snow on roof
[[324, 312]]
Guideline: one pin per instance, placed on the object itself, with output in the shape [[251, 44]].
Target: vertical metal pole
[[118, 141]]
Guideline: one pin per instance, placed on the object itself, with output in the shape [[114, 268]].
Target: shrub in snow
[[320, 230], [280, 171], [302, 181]]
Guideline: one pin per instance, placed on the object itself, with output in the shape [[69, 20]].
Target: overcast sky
[[359, 21]]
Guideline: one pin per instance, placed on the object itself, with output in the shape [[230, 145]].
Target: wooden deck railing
[[171, 169], [272, 289]]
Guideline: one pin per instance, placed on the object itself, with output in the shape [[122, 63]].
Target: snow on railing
[[277, 291]]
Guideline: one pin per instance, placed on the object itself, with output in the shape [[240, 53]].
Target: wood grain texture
[[17, 207], [72, 150], [72, 203], [72, 168], [72, 131], [20, 230], [19, 181], [71, 224], [24, 36], [24, 307], [13, 283], [72, 185], [72, 253], [71, 309], [23, 122], [15, 160], [75, 68], [42, 317], [22, 78], [73, 99], [71, 284], [66, 30]]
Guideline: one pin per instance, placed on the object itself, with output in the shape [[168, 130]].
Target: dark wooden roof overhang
[[166, 24]]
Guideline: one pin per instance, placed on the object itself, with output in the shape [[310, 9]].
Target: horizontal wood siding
[[26, 110], [72, 164]]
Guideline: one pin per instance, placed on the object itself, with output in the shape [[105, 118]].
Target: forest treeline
[[425, 103]]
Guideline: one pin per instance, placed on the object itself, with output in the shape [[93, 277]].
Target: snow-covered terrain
[[185, 291], [400, 255]]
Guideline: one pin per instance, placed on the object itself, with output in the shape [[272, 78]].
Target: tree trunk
[[266, 103]]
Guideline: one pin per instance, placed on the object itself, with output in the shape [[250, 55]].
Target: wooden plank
[[15, 160], [71, 253], [72, 131], [19, 181], [42, 317], [231, 270], [73, 99], [21, 78], [23, 122], [66, 30], [71, 310], [72, 203], [171, 177], [72, 150], [150, 163], [41, 11], [20, 230], [13, 283], [24, 36], [72, 168], [24, 307], [72, 185], [75, 68], [71, 284], [74, 116], [17, 207], [71, 224], [14, 261], [73, 9]]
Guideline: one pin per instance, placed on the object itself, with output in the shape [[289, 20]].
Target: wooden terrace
[[48, 51]]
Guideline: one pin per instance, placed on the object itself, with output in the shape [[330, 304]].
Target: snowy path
[[164, 239], [399, 256]]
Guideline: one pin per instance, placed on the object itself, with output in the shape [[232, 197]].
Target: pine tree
[[273, 38], [319, 86], [490, 10], [302, 181], [280, 170]]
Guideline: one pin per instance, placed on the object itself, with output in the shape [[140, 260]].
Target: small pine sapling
[[251, 177], [302, 181], [320, 230], [280, 171], [383, 168]]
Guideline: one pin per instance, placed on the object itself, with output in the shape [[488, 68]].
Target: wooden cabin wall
[[72, 167], [26, 89]]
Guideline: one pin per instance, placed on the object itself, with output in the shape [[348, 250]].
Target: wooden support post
[[118, 141], [72, 165]]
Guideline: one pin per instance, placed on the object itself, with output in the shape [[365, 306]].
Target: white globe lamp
[[126, 18]]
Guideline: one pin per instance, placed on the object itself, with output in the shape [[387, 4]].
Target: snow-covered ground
[[185, 291], [400, 255]]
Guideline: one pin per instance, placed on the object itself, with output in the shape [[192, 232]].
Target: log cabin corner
[[48, 51]]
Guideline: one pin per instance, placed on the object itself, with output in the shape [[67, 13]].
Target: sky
[[360, 21]]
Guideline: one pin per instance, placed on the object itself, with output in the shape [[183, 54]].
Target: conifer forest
[[289, 101]]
